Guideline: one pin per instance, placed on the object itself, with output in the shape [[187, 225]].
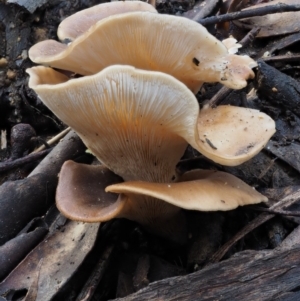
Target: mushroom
[[76, 25], [138, 124], [126, 39]]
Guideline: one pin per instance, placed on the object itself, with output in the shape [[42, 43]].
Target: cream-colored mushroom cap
[[77, 24], [203, 190], [232, 135], [139, 123], [131, 119], [149, 41]]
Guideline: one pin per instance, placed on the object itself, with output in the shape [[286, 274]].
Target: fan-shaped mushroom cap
[[77, 24], [173, 45], [232, 135], [131, 119], [80, 194], [203, 190]]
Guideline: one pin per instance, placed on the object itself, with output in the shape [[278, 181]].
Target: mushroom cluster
[[135, 110]]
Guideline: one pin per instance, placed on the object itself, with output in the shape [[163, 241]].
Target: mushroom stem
[[156, 216]]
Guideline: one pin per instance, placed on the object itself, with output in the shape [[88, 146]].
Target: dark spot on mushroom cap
[[196, 61]]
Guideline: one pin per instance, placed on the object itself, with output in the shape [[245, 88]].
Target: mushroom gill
[[126, 39], [138, 124]]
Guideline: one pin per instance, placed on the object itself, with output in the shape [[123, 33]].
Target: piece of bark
[[69, 147], [62, 254], [282, 43], [25, 199], [291, 241], [12, 252], [33, 289], [202, 9], [247, 276], [278, 88]]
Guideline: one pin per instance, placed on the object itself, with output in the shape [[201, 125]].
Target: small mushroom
[[138, 124], [149, 41], [232, 45]]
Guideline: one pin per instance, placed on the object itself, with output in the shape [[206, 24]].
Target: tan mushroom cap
[[232, 135], [81, 196], [131, 119], [77, 24], [202, 190], [150, 41], [80, 193]]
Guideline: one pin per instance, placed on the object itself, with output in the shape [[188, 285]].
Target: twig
[[7, 165], [263, 173], [224, 91], [279, 212], [96, 275], [52, 140], [249, 37], [219, 97], [261, 11], [261, 219], [3, 141], [282, 58]]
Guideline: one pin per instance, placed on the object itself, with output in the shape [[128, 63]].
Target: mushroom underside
[[131, 118]]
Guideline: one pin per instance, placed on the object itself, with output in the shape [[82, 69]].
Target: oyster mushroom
[[138, 124], [77, 24], [126, 39]]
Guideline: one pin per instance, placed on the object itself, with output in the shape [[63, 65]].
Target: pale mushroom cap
[[132, 120], [149, 41], [232, 135], [77, 24], [203, 190]]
